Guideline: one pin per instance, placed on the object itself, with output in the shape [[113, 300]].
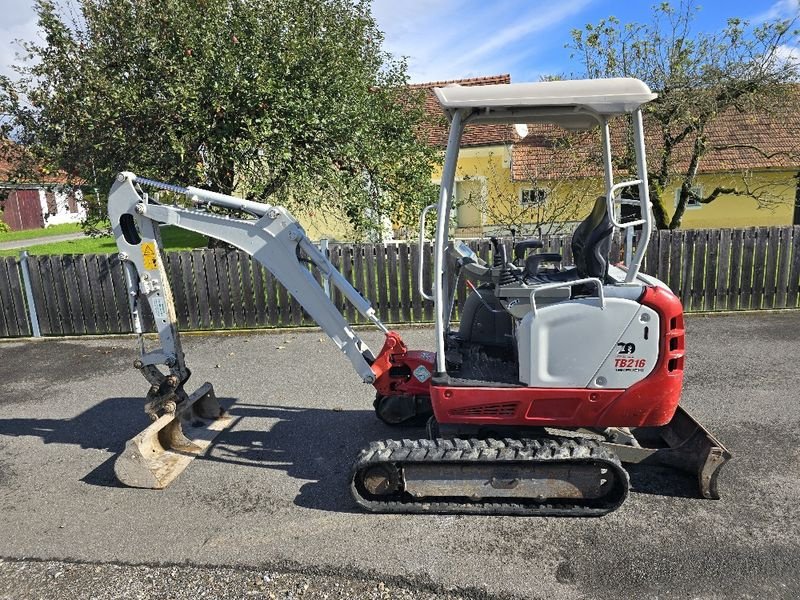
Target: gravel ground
[[271, 496], [56, 580]]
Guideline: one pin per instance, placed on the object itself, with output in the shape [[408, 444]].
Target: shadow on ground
[[314, 445]]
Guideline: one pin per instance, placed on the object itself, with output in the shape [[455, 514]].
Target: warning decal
[[422, 374], [149, 255]]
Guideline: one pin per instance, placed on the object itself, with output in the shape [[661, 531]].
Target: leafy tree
[[698, 76], [284, 101]]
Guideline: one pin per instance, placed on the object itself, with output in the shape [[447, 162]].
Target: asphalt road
[[272, 494]]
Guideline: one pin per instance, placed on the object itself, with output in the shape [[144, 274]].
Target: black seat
[[591, 243]]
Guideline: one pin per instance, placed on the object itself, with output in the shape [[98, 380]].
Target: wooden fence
[[710, 270]]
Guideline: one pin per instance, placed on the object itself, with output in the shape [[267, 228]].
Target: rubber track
[[461, 451]]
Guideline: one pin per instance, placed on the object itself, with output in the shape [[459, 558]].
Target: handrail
[[611, 199], [421, 259], [558, 285]]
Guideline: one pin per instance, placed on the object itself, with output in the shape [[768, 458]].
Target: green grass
[[173, 238], [27, 234]]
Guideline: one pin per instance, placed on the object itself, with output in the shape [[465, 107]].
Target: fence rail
[[710, 270]]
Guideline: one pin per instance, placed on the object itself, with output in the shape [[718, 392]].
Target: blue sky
[[449, 39]]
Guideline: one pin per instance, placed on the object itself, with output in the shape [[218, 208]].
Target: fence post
[[326, 281], [26, 278]]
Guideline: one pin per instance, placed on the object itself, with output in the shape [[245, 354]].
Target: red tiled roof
[[435, 130], [14, 159], [758, 139]]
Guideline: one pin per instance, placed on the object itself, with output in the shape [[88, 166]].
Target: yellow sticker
[[150, 256]]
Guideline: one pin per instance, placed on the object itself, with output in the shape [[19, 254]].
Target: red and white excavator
[[553, 378]]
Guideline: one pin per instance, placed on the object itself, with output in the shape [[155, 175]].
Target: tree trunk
[[660, 214]]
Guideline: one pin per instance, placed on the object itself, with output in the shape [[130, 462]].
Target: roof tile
[[435, 130], [738, 141]]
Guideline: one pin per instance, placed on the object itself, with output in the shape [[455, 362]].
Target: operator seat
[[591, 243]]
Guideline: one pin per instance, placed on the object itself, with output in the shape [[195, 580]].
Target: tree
[[284, 101], [698, 76], [538, 206]]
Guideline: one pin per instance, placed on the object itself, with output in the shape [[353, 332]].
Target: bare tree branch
[[793, 154], [566, 198], [700, 77]]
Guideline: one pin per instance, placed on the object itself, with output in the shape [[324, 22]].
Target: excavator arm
[[184, 424], [273, 239]]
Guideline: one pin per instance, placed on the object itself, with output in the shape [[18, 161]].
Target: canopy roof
[[572, 104]]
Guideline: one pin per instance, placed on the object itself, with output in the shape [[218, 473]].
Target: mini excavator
[[553, 378]]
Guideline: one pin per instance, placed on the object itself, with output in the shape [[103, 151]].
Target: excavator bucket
[[157, 455], [683, 444]]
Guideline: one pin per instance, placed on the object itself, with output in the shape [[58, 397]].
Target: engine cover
[[578, 344]]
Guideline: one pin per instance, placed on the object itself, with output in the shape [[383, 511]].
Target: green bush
[[4, 228]]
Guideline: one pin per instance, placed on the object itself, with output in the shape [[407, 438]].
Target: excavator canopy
[[571, 104]]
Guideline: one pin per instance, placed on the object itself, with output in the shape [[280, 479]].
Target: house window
[[695, 193], [533, 196]]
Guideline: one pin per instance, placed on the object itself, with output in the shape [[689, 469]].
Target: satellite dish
[[521, 129]]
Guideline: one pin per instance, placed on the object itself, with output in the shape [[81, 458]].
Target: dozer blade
[[684, 444], [157, 455]]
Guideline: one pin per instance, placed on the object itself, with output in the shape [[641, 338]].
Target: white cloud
[[533, 22], [781, 9], [788, 53], [788, 56], [9, 48], [418, 30], [449, 39]]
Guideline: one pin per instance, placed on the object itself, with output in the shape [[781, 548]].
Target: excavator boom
[[184, 424]]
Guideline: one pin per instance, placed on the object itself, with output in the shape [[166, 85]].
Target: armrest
[[533, 261], [521, 247]]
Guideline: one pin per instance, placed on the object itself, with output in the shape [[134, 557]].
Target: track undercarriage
[[570, 477], [535, 471]]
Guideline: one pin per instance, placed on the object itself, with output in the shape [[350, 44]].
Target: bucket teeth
[[157, 455], [172, 437]]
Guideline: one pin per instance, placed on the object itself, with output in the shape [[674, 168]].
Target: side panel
[[564, 345], [654, 400], [521, 406]]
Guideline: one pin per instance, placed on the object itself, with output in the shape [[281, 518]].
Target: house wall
[[34, 208], [491, 165], [739, 211], [479, 170], [329, 224], [484, 188], [68, 205], [483, 178]]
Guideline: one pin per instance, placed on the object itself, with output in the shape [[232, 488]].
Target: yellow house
[[539, 179], [755, 153]]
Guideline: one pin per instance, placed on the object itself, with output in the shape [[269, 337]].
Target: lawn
[[173, 238], [26, 234]]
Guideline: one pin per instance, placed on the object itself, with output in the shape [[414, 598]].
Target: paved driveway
[[273, 492]]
